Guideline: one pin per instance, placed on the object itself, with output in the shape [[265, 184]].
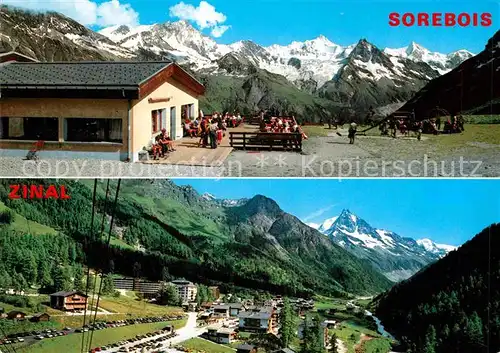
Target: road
[[183, 334]]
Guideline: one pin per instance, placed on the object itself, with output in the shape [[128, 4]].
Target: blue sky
[[447, 211], [281, 22]]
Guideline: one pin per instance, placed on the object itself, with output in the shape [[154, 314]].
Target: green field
[[201, 345], [72, 343], [133, 306], [377, 345]]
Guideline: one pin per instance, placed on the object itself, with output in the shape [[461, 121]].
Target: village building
[[235, 309], [106, 110], [16, 315], [246, 348], [148, 289], [68, 301], [15, 56], [257, 320], [221, 335], [187, 290], [284, 350], [221, 311], [330, 323], [40, 317]]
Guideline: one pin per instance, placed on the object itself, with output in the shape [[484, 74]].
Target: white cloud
[[317, 213], [218, 31], [86, 12], [112, 13], [204, 15]]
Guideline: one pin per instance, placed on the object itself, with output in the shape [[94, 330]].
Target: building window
[[93, 130], [158, 121], [29, 129]]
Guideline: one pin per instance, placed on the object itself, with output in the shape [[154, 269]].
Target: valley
[[245, 252], [315, 78]]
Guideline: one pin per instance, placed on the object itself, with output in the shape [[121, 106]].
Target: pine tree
[[474, 331], [77, 278], [333, 344], [287, 324], [430, 341], [108, 286]]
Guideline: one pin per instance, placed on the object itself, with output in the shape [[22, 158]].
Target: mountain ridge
[[395, 256]]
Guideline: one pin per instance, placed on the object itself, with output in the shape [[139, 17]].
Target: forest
[[158, 228], [452, 305]]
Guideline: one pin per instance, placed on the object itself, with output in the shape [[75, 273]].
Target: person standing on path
[[352, 132], [213, 134]]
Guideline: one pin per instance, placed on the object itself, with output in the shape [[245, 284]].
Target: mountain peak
[[414, 47]]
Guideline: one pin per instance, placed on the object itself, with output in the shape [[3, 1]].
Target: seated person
[[156, 148], [166, 142]]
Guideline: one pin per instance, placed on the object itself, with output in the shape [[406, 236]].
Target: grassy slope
[[132, 306], [22, 225], [199, 344], [72, 343]]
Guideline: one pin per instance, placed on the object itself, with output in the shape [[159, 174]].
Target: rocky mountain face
[[370, 77], [311, 78], [395, 256], [439, 62], [471, 87], [54, 37]]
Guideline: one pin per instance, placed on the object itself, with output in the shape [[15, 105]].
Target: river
[[380, 327]]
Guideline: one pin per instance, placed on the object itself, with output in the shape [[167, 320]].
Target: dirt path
[[341, 347], [359, 347], [371, 156]]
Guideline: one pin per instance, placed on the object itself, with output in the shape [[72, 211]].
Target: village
[[225, 323]]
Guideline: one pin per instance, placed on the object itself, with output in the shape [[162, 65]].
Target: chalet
[[15, 56], [206, 306], [221, 311], [222, 335], [235, 309], [246, 348], [68, 301], [16, 315], [250, 321], [330, 323], [106, 110], [40, 317]]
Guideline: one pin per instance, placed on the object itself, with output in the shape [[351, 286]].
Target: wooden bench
[[253, 120], [266, 140]]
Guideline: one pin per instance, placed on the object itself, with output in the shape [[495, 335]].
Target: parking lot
[[31, 337]]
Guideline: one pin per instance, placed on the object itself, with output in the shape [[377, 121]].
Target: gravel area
[[330, 156], [370, 156]]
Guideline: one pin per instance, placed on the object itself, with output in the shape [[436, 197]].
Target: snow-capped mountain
[[395, 256], [438, 61], [208, 196], [310, 77], [223, 202], [439, 249]]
